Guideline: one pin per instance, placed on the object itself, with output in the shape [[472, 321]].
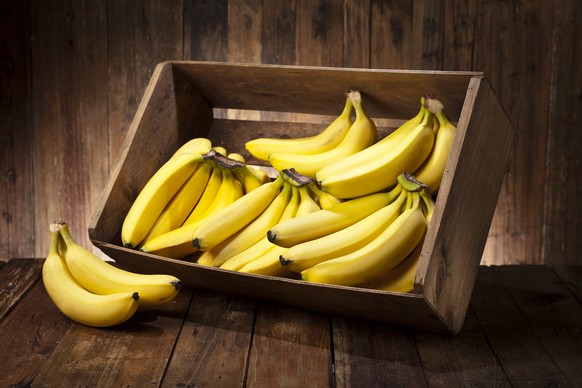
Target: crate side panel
[[320, 90], [170, 113], [464, 209]]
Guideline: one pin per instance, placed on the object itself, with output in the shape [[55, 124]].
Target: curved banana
[[221, 150], [361, 135], [432, 170], [199, 145], [100, 277], [247, 178], [254, 231], [177, 243], [325, 200], [329, 138], [302, 256], [377, 167], [326, 221], [306, 204], [77, 303], [155, 195], [208, 196], [263, 246], [182, 203], [382, 254], [402, 131], [236, 156], [232, 218], [267, 264]]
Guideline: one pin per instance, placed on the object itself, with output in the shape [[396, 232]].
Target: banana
[[221, 150], [326, 221], [267, 264], [199, 145], [182, 203], [382, 254], [263, 246], [155, 195], [377, 167], [77, 303], [232, 218], [236, 156], [431, 171], [177, 243], [401, 277], [302, 256], [307, 204], [361, 135], [254, 231], [249, 180], [208, 196], [100, 277], [325, 200], [329, 138], [401, 132]]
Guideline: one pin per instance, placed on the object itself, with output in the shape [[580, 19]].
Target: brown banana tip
[[135, 296], [196, 243], [284, 261], [271, 236], [177, 284], [128, 245]]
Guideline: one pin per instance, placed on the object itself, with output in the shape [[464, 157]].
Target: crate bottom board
[[395, 308]]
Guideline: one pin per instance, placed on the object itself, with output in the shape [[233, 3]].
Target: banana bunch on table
[[93, 292]]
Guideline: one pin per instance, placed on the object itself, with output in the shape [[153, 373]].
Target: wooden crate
[[189, 99]]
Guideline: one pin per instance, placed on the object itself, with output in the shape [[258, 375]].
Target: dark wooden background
[[72, 74]]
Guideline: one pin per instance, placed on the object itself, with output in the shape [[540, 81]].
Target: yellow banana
[[236, 156], [431, 171], [377, 167], [208, 196], [399, 278], [221, 150], [302, 256], [325, 200], [77, 303], [100, 277], [329, 138], [326, 221], [307, 204], [361, 135], [177, 243], [263, 246], [154, 197], [247, 178], [401, 132], [254, 231], [382, 254], [182, 203], [232, 218], [199, 145]]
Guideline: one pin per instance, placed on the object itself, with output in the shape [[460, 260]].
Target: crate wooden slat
[[179, 104]]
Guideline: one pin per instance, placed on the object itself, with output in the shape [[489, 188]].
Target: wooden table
[[523, 328]]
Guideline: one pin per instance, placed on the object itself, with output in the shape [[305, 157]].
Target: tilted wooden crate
[[187, 99]]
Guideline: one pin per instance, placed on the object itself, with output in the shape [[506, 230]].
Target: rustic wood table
[[523, 328]]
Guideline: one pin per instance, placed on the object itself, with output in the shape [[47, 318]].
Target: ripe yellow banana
[[361, 135], [302, 256], [382, 254], [263, 246], [326, 221], [432, 170], [401, 132], [208, 196], [199, 145], [178, 242], [155, 195], [329, 138], [100, 277], [182, 203], [234, 217], [377, 167], [77, 303], [221, 150], [254, 231], [236, 156], [247, 178], [307, 204]]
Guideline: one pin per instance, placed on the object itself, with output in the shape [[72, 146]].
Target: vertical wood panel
[[459, 23], [391, 37], [427, 35], [205, 30], [278, 37], [563, 225], [16, 153], [357, 33]]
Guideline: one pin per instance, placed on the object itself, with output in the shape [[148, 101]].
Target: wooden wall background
[[72, 74]]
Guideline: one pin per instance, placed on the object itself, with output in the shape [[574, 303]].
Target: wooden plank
[[520, 353], [551, 311], [459, 22], [515, 41], [28, 336], [372, 354], [214, 342], [206, 30], [17, 276], [16, 152], [464, 360], [291, 348], [319, 28], [561, 241], [135, 353], [69, 100], [278, 32], [391, 40], [427, 35], [357, 33], [571, 276]]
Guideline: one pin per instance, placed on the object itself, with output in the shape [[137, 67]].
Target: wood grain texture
[[16, 278]]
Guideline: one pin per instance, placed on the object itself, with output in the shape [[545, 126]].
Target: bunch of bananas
[[93, 292], [197, 181]]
